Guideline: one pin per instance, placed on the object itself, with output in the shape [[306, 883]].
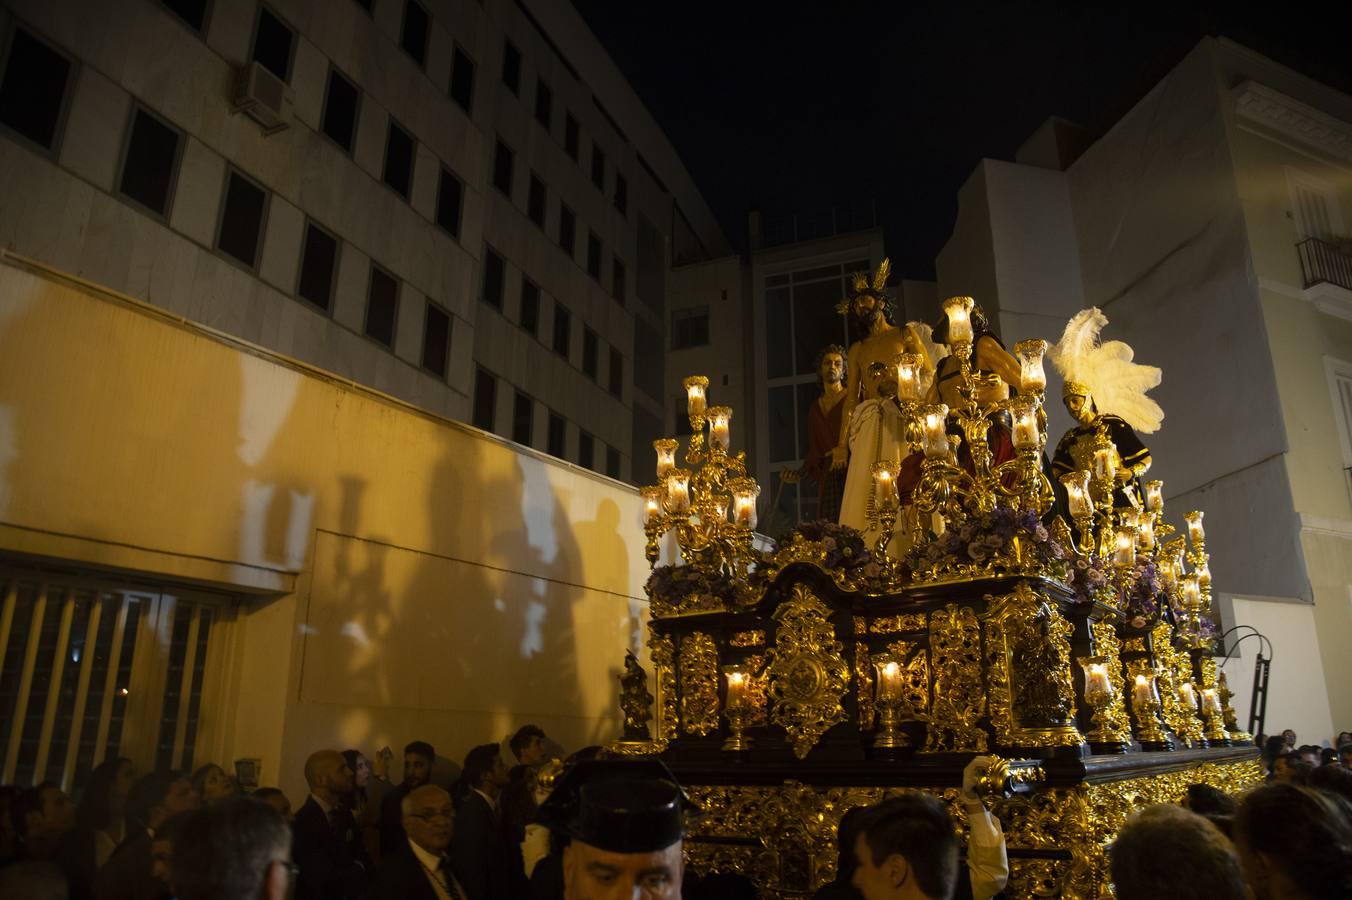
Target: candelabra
[[1214, 718], [1098, 693], [737, 707], [712, 507], [1145, 706], [888, 702]]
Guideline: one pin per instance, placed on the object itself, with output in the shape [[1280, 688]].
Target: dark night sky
[[790, 111]]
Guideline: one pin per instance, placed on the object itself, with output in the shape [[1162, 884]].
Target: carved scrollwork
[[808, 674], [914, 660], [1032, 694], [663, 656], [699, 683], [1115, 723], [1175, 667], [959, 696]]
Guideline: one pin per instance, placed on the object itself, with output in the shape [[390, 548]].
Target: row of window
[[493, 293], [523, 426]]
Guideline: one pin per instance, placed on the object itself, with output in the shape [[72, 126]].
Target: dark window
[[273, 44], [462, 80], [535, 201], [449, 192], [511, 67], [617, 277], [557, 434], [495, 272], [598, 167], [586, 449], [523, 410], [567, 229], [193, 12], [593, 255], [436, 340], [544, 104], [621, 194], [616, 373], [382, 302], [152, 157], [530, 306], [340, 110], [563, 326], [689, 327], [33, 92], [570, 138], [485, 400], [682, 426], [242, 219], [590, 352], [398, 172], [318, 261], [612, 462], [502, 168], [413, 37]]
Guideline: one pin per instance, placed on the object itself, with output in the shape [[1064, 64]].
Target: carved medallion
[[808, 674]]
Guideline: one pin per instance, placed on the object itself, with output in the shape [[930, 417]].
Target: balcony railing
[[1322, 262]]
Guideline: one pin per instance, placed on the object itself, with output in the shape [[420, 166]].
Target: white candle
[[695, 387], [1192, 593], [719, 432], [744, 494], [1096, 679], [666, 455], [736, 689], [933, 435], [1077, 493], [889, 679], [678, 491], [652, 504], [1196, 533], [1211, 703], [1142, 693], [884, 485], [1204, 575], [1187, 694], [1025, 427], [1154, 496], [1125, 557], [1032, 377], [1146, 530], [908, 377], [958, 310]]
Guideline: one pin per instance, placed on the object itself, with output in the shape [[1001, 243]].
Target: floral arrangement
[[1142, 602], [1001, 541], [844, 546], [672, 585]]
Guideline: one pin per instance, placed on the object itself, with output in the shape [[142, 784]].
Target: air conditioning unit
[[263, 97]]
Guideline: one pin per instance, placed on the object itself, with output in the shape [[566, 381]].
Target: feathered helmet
[[1106, 372], [861, 284]]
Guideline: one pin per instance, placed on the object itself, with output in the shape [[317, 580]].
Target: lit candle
[[1192, 593], [1196, 533], [1211, 702], [934, 434], [1130, 517], [884, 485], [1103, 464], [720, 506], [744, 494], [1143, 692], [1146, 530], [959, 311], [652, 503], [719, 417], [1188, 695], [1204, 575], [1032, 377], [1077, 493], [695, 388], [1168, 574], [1125, 556], [1096, 680], [666, 455], [737, 687], [889, 677], [1025, 426], [678, 491], [1154, 496], [908, 376]]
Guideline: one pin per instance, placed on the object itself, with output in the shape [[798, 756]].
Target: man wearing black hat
[[625, 821]]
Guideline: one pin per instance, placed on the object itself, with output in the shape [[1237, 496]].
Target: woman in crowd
[[370, 785], [100, 823], [213, 785]]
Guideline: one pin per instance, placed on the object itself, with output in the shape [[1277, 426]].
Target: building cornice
[[1326, 525], [1294, 119], [1327, 298]]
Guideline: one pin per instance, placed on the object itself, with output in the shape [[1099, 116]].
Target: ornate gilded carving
[[914, 679], [663, 656], [906, 622], [690, 604], [1032, 694], [1134, 645], [863, 684], [754, 638], [808, 674], [699, 684], [1115, 723], [756, 692], [959, 697], [1175, 667]]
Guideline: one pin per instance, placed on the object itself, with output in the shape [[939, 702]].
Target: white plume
[[1119, 385], [933, 351]]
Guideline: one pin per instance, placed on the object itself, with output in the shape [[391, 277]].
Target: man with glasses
[[420, 870]]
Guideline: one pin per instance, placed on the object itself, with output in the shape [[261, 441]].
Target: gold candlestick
[[736, 707], [888, 702], [1145, 708]]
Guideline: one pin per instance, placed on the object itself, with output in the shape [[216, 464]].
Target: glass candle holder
[[651, 497], [1143, 694], [666, 455], [696, 387], [1192, 593], [887, 699], [908, 375], [744, 494], [1097, 682], [1154, 496], [719, 504], [1077, 493], [1024, 412], [737, 705], [885, 485], [934, 433], [1204, 575], [959, 313], [1145, 532], [678, 491], [1187, 695], [1103, 464], [720, 418], [1211, 702], [1032, 375], [1124, 548], [1196, 533]]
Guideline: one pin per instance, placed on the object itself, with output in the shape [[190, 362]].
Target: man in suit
[[325, 841], [418, 759], [479, 850], [130, 873], [420, 870]]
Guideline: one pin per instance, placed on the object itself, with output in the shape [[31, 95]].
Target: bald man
[[325, 841], [420, 870]]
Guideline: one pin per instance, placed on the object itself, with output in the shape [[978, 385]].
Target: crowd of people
[[534, 826]]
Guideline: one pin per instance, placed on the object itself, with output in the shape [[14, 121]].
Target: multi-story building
[[462, 205], [261, 265], [1210, 226]]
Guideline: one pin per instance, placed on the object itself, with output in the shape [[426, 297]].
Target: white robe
[[876, 432]]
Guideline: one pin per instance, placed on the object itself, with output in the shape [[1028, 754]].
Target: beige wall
[[448, 585]]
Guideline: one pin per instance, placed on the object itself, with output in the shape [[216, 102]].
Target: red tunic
[[823, 434]]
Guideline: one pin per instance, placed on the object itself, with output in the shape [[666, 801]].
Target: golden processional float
[[1067, 632]]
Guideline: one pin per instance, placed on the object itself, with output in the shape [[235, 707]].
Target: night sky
[[844, 102]]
